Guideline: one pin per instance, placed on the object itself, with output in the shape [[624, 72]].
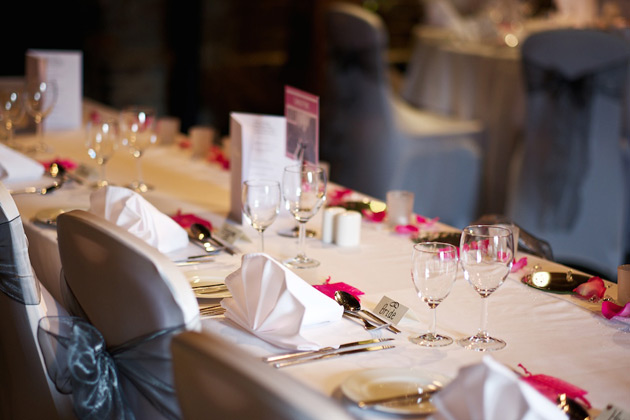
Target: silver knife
[[325, 350], [421, 394], [329, 355]]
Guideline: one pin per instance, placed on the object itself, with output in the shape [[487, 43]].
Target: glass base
[[100, 184], [140, 187], [301, 262], [295, 232], [432, 340], [481, 343]]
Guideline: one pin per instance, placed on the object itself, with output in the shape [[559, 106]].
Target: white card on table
[[65, 67], [301, 110], [257, 151], [390, 310]]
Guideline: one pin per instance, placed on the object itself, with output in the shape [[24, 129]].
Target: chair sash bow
[[16, 274]]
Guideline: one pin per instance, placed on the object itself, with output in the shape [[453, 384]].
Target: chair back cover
[[129, 291], [568, 185], [216, 379], [375, 142], [23, 302]]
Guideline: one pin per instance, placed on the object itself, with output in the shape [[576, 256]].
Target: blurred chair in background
[[25, 390], [136, 298], [375, 142], [215, 379], [568, 184]]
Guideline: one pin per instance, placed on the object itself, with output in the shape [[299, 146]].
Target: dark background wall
[[198, 60]]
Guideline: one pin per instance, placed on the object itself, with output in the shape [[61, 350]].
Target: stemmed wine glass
[[11, 110], [40, 97], [137, 130], [101, 142], [486, 254], [261, 205], [304, 190], [433, 271]]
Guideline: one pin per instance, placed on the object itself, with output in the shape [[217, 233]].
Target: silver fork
[[366, 324]]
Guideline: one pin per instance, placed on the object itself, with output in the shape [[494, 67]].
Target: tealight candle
[[328, 223], [348, 228]]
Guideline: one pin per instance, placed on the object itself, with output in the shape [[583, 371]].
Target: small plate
[[49, 216], [383, 383], [197, 280], [555, 282]]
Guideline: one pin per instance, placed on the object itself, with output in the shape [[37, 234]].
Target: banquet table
[[558, 335], [472, 80]]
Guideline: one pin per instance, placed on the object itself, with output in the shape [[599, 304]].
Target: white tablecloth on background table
[[548, 334]]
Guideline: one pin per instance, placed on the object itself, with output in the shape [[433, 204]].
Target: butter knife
[[325, 350], [422, 394], [329, 355]]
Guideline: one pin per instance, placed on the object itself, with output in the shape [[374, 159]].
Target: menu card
[[257, 151], [301, 110], [65, 67]]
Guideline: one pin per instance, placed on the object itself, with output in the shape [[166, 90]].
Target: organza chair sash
[[16, 274], [562, 139], [78, 363]]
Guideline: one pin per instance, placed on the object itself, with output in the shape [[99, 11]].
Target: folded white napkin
[[14, 166], [490, 391], [275, 304], [132, 212]]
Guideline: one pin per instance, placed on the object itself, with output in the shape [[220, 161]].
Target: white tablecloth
[[546, 333]]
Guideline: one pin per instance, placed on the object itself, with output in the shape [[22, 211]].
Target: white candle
[[328, 224], [348, 228]]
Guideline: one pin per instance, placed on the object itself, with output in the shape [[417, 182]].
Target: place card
[[613, 413], [257, 151], [301, 110], [65, 68], [231, 233], [390, 310]]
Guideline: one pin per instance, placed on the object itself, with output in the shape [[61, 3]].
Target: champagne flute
[[304, 190], [101, 142], [40, 97], [11, 110], [486, 254], [433, 271], [137, 127], [261, 205]]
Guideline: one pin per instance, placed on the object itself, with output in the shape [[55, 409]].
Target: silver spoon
[[58, 171], [352, 304]]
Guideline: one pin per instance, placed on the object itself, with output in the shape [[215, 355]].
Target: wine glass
[[304, 190], [433, 271], [486, 254], [101, 142], [40, 97], [261, 205], [11, 110], [137, 130]]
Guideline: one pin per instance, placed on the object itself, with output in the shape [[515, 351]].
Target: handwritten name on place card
[[390, 310]]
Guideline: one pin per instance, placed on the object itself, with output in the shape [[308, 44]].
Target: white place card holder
[[390, 310], [65, 67], [257, 151]]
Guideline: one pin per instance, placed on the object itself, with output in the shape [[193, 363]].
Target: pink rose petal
[[519, 264], [594, 287], [337, 196], [376, 217], [405, 229], [186, 220], [427, 222], [68, 164], [610, 310], [329, 288]]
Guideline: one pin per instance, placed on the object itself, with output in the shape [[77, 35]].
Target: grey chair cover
[[376, 142], [216, 379], [568, 185], [23, 302], [136, 299]]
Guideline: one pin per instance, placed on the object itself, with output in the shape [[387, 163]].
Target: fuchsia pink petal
[[216, 155], [68, 164], [421, 220], [336, 196], [376, 217], [610, 310], [594, 287], [551, 387], [519, 264], [404, 229], [185, 220], [329, 288]]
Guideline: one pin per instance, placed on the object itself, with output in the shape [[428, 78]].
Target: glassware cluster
[[261, 205]]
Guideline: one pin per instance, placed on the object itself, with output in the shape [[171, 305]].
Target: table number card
[[257, 150], [390, 310], [301, 110], [65, 67]]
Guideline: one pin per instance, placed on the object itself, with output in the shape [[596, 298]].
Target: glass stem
[[302, 241], [102, 181], [483, 330], [139, 166], [262, 241], [432, 326]]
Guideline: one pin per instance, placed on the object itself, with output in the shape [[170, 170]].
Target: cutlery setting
[[37, 190], [352, 309]]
